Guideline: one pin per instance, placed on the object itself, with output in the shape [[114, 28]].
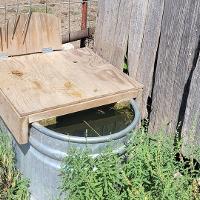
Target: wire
[[5, 11], [46, 6], [69, 24]]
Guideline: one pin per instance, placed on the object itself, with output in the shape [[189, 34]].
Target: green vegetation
[[41, 9], [12, 185], [152, 168]]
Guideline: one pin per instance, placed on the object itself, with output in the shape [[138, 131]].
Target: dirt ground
[[70, 22]]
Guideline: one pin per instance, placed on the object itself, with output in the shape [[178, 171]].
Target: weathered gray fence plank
[[187, 57], [136, 33], [106, 25], [191, 126], [139, 25], [112, 30], [141, 65], [120, 39], [175, 58]]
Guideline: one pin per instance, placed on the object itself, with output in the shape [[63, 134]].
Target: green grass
[[152, 168], [41, 9], [12, 185]]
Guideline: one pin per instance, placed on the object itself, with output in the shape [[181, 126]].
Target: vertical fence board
[[120, 40], [147, 55], [170, 28], [106, 25], [136, 32], [174, 63], [191, 126], [186, 64], [112, 30], [137, 25]]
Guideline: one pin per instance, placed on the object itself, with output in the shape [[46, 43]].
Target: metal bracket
[[47, 50], [3, 56]]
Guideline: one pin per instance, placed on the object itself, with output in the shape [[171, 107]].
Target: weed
[[12, 185], [148, 170], [41, 9]]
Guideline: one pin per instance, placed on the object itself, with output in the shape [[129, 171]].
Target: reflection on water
[[94, 122]]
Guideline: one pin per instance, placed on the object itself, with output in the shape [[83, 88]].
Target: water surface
[[95, 122]]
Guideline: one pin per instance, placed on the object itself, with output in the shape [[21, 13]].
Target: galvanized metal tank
[[40, 159]]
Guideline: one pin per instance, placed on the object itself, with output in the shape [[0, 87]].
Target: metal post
[[78, 35], [84, 20]]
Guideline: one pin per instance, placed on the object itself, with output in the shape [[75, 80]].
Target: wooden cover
[[40, 86], [30, 33]]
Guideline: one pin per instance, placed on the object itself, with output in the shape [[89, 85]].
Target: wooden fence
[[161, 39]]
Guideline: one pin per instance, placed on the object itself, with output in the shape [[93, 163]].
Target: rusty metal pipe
[[78, 35], [84, 21]]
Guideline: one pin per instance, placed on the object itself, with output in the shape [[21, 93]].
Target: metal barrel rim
[[91, 140]]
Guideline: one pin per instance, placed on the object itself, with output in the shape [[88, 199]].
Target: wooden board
[[191, 125], [41, 86], [133, 30], [111, 36], [179, 47], [144, 36], [30, 33]]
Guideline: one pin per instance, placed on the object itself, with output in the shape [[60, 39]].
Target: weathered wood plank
[[16, 124], [40, 86], [27, 34], [111, 34], [32, 82], [120, 40], [191, 126], [179, 39], [187, 58], [168, 81], [106, 25], [170, 42], [79, 106], [143, 67], [137, 30], [136, 33]]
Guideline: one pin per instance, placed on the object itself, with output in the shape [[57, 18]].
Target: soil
[[70, 22]]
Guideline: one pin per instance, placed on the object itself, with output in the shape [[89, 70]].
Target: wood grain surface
[[131, 30], [191, 125], [41, 86], [176, 60], [30, 33]]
